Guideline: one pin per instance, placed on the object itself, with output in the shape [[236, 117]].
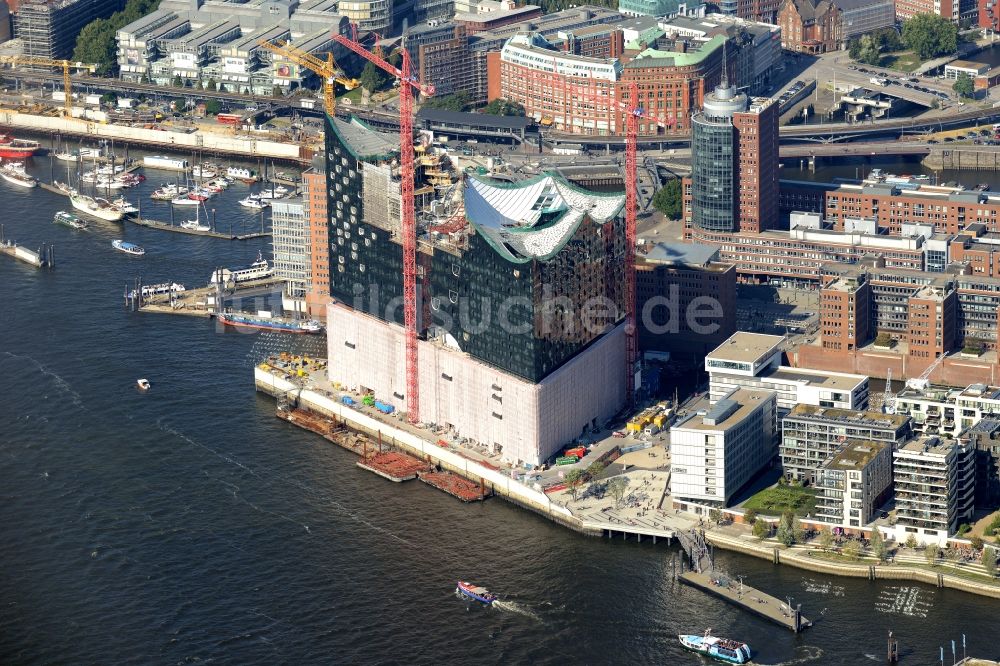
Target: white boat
[[167, 163], [82, 153], [65, 188], [184, 201], [99, 208], [143, 384], [204, 171], [127, 248], [256, 204], [164, 288], [168, 192], [69, 220], [15, 174], [258, 270], [268, 194], [195, 225], [125, 206]]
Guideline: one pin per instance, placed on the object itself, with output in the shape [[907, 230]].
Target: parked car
[[933, 141], [948, 139]]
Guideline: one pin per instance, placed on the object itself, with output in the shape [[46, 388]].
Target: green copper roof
[[679, 59]]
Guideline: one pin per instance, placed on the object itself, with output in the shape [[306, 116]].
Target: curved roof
[[533, 219]]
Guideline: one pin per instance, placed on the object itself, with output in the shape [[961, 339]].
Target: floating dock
[[41, 259], [454, 485], [749, 599], [327, 428], [397, 467], [166, 226]]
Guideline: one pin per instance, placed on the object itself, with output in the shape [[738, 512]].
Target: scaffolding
[[49, 29]]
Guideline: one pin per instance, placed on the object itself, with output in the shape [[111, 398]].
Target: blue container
[[384, 407], [347, 400]]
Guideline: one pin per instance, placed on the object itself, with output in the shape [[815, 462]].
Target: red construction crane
[[633, 112], [407, 82]]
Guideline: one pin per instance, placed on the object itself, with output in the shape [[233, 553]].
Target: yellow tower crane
[[15, 60], [325, 69]]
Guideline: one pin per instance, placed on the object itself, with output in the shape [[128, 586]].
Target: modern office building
[[506, 340], [817, 26], [441, 55], [935, 489], [734, 175], [984, 439], [314, 199], [854, 484], [811, 436], [49, 28], [369, 15], [954, 10], [686, 299], [715, 454], [659, 8], [290, 236]]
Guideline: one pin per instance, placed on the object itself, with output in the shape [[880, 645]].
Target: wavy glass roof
[[533, 219]]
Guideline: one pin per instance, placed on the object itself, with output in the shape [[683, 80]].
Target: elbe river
[[189, 525]]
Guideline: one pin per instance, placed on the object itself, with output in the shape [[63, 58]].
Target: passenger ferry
[[722, 649], [157, 289], [69, 220], [476, 592], [258, 270], [127, 248]]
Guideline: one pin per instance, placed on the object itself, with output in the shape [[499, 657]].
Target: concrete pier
[[37, 259], [166, 226], [749, 599]]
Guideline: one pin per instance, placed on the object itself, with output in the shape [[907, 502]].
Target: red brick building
[[809, 26]]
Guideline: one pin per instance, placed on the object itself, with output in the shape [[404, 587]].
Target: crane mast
[[407, 82]]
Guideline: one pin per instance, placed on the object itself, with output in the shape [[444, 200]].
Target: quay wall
[[501, 485], [222, 143]]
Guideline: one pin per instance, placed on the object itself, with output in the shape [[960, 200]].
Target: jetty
[[42, 258], [747, 598], [397, 467], [456, 486], [212, 233]]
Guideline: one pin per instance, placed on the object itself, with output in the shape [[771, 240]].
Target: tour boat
[[69, 220], [168, 192], [99, 208], [157, 289], [17, 149], [143, 384], [256, 204], [127, 248], [183, 200], [264, 321], [258, 270], [475, 592], [723, 649], [15, 174]]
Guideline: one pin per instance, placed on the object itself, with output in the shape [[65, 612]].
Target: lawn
[[776, 500], [902, 61]]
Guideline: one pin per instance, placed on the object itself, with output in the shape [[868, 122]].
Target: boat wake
[[803, 655], [60, 383], [519, 609]]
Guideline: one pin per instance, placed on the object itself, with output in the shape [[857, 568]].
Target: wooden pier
[[749, 599], [166, 226]]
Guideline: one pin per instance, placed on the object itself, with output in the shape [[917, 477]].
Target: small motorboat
[[143, 384], [185, 201], [128, 248], [195, 225], [476, 592], [253, 203]]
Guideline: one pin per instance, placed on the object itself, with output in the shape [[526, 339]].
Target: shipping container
[[567, 460], [384, 407]]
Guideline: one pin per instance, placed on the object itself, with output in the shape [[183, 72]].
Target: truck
[[879, 80]]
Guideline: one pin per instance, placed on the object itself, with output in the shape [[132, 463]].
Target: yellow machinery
[[66, 66], [325, 69]]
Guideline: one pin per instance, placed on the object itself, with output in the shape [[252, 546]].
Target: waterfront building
[[935, 489], [854, 484], [811, 436], [686, 298], [49, 28], [291, 245], [504, 343], [734, 183], [314, 198], [753, 360], [984, 439], [715, 454]]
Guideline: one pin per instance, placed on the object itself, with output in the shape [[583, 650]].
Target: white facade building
[[935, 489], [715, 454], [291, 244], [854, 484]]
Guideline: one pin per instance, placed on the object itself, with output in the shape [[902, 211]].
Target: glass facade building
[[714, 176]]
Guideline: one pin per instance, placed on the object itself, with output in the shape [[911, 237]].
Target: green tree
[[976, 543], [786, 529], [888, 39], [372, 77], [761, 529], [668, 199], [96, 44], [178, 82], [931, 554], [277, 91], [930, 35], [911, 542], [989, 561], [617, 487], [825, 538], [852, 549], [212, 85], [213, 107], [750, 516], [573, 480], [878, 546], [453, 102], [715, 516], [964, 86], [854, 49], [869, 52], [503, 107], [595, 470]]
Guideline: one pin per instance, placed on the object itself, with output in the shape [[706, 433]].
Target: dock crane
[[67, 65], [921, 382], [325, 69], [407, 83]]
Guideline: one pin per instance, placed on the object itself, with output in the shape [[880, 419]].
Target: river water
[[189, 525]]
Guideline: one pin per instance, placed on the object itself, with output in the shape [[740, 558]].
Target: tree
[[715, 516], [372, 77], [786, 529], [854, 49], [213, 107], [277, 91], [503, 107], [964, 86], [869, 52], [750, 516], [616, 487], [595, 470], [212, 85], [930, 35], [453, 102], [798, 532], [976, 543], [96, 44], [852, 549], [878, 546], [825, 538], [177, 82], [989, 561], [668, 199], [573, 480], [911, 542], [761, 529], [931, 554]]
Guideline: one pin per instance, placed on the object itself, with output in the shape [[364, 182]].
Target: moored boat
[[168, 192], [125, 206], [263, 321], [15, 174], [69, 220], [256, 204], [183, 200], [195, 225], [98, 208], [17, 149], [722, 649], [258, 270], [476, 592], [127, 248]]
